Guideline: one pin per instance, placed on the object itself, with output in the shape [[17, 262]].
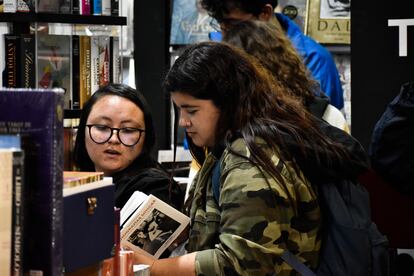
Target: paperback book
[[149, 225]]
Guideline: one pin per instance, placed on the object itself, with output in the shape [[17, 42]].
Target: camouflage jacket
[[253, 224]]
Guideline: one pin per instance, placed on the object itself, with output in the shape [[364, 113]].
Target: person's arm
[[177, 266]]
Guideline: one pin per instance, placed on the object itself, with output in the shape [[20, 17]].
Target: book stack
[[149, 225]]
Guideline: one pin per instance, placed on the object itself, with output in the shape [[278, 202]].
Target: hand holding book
[[149, 225]]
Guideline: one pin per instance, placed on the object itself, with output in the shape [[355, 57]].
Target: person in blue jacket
[[319, 61]]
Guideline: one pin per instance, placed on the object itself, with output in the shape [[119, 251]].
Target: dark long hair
[[81, 156], [275, 52], [219, 8], [251, 106]]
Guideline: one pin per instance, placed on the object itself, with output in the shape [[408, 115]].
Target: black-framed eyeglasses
[[128, 136]]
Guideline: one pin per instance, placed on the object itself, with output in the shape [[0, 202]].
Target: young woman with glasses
[[116, 136]]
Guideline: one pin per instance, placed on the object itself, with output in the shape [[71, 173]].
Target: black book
[[75, 7], [27, 69], [10, 74], [115, 7], [75, 73]]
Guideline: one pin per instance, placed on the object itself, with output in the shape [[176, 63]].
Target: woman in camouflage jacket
[[266, 205]]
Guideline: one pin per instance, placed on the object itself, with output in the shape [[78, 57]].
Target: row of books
[[78, 64], [83, 7]]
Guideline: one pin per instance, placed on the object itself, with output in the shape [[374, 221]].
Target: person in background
[[318, 60], [116, 136], [275, 52], [266, 145]]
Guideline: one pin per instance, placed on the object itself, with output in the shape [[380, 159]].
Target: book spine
[[104, 62], [75, 73], [25, 6], [10, 6], [18, 218], [11, 47], [6, 205], [65, 6], [106, 7], [75, 7], [115, 7], [115, 60], [27, 65], [95, 75], [85, 69], [97, 7], [56, 185], [85, 7]]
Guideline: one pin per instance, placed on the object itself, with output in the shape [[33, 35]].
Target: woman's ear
[[267, 13]]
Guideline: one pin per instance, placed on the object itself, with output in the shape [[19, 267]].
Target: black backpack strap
[[215, 179], [297, 265]]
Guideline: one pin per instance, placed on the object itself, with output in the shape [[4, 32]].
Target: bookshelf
[[70, 25]]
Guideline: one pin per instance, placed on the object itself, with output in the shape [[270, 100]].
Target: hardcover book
[[97, 7], [115, 60], [10, 75], [54, 6], [75, 72], [190, 23], [88, 224], [95, 64], [85, 69], [25, 5], [6, 207], [53, 65], [104, 61], [10, 6], [85, 7], [149, 225], [329, 21], [27, 64], [37, 116], [115, 7], [106, 7]]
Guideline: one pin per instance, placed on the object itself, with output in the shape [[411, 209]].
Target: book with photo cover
[[328, 23], [149, 225]]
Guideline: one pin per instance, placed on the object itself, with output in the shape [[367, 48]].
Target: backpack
[[351, 243]]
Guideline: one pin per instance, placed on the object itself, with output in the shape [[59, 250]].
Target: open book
[[149, 225]]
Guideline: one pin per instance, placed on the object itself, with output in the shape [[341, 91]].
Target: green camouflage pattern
[[255, 222]]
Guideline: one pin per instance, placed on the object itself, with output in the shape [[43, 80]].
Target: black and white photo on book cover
[[149, 225], [328, 21]]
